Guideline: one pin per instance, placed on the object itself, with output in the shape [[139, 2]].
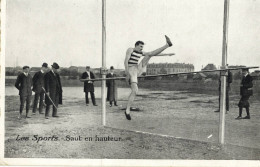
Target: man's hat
[[111, 68], [55, 65], [87, 67], [24, 67], [45, 65]]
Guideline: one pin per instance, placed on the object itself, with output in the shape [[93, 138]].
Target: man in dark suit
[[111, 87], [38, 83], [89, 86], [53, 90], [228, 88], [24, 85], [245, 91]]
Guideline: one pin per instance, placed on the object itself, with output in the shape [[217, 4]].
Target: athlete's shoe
[[168, 41], [127, 116]]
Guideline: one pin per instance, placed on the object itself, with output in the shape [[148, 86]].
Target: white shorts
[[136, 70]]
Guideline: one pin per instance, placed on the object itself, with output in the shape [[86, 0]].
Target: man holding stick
[[53, 90], [134, 69], [38, 83]]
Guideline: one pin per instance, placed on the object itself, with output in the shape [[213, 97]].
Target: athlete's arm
[[166, 54], [127, 57]]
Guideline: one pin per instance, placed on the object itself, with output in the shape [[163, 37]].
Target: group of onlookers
[[46, 84], [246, 90], [47, 87], [89, 86]]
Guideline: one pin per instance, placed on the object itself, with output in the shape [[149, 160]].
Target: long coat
[[53, 86], [229, 81], [38, 82], [246, 91], [24, 84], [111, 88], [88, 86]]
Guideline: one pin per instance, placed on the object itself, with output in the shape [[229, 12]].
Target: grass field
[[188, 119]]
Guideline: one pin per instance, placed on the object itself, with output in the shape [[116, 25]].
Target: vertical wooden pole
[[223, 75], [103, 89]]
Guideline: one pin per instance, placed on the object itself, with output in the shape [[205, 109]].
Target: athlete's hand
[[127, 79]]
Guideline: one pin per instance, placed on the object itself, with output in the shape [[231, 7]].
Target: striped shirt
[[135, 56]]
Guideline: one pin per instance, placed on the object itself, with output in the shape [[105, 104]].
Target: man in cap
[[53, 90], [24, 85], [245, 91], [134, 68], [89, 86], [111, 87], [38, 84]]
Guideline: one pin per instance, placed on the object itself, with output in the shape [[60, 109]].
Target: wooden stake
[[223, 75], [103, 90]]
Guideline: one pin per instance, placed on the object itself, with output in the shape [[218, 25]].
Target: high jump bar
[[178, 73]]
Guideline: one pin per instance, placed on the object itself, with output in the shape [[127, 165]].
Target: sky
[[69, 32]]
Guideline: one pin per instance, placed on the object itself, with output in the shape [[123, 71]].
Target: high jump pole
[[103, 88], [223, 75]]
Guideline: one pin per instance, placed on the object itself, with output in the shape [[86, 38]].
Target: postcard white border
[[91, 162]]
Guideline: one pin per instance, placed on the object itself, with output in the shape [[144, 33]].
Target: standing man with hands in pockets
[[89, 86], [24, 85]]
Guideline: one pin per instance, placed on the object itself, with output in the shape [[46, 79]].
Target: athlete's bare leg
[[161, 49], [134, 90], [158, 51]]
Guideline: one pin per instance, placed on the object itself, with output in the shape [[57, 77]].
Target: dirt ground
[[187, 121]]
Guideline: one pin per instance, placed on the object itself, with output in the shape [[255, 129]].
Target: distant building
[[70, 72], [209, 67], [167, 68]]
